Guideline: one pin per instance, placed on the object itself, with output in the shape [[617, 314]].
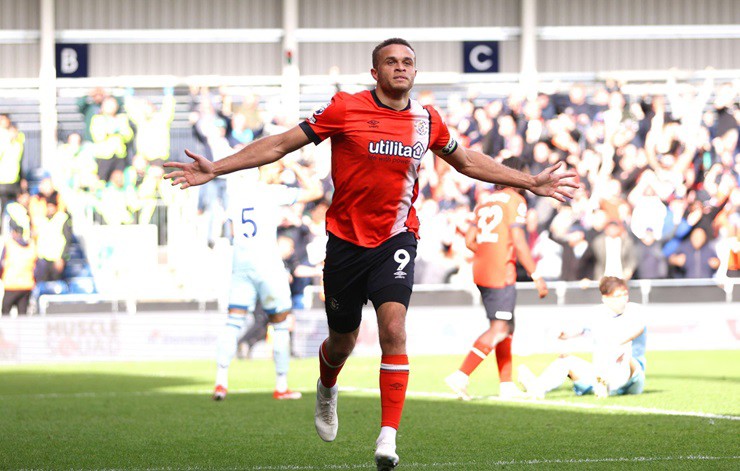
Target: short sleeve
[[519, 213], [327, 120], [441, 140]]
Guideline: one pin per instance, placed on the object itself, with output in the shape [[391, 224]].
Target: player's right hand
[[194, 173], [541, 286]]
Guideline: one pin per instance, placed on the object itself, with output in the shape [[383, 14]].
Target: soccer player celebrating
[[257, 270], [618, 366], [378, 139], [497, 240]]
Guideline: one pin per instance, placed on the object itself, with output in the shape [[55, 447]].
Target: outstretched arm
[[260, 152], [484, 168]]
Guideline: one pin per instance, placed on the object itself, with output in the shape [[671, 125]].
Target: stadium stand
[[554, 127]]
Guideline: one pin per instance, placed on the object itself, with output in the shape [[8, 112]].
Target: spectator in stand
[[695, 256], [152, 126], [499, 137], [17, 264], [4, 129], [141, 182], [16, 214], [547, 253], [77, 169], [115, 201], [613, 202], [577, 255], [300, 271], [688, 103], [111, 132], [316, 223], [732, 265], [210, 130], [614, 252], [649, 211], [727, 224], [12, 144], [53, 240], [244, 121], [89, 106], [577, 101], [37, 204], [651, 262]]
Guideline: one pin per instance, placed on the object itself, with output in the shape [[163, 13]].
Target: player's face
[[616, 300], [396, 69]]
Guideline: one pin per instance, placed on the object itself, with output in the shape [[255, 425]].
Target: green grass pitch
[[159, 416]]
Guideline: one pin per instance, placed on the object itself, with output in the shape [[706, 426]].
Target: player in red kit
[[378, 138], [497, 240]]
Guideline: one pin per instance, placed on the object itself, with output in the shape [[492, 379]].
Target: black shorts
[[499, 303], [354, 274]]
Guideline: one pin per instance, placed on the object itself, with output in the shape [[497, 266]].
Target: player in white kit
[[618, 365], [258, 272]]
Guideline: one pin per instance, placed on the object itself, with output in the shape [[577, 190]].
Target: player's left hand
[[541, 286], [555, 185]]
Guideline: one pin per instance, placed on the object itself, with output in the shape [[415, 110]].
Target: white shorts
[[270, 286], [619, 379]]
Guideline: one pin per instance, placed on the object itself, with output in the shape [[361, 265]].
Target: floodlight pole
[[47, 85], [290, 80], [528, 43]]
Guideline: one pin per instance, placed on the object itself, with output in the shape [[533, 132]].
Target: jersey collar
[[382, 105]]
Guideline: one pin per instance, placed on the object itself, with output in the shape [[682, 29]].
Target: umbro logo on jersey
[[384, 147], [373, 124]]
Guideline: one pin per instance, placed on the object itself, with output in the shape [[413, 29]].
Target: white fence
[[431, 330]]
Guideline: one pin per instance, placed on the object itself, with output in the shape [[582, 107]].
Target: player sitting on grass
[[618, 365]]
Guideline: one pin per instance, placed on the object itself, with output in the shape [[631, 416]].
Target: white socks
[[387, 435], [236, 326], [222, 377]]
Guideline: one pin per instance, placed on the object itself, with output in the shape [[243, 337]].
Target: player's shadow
[[694, 377], [60, 383]]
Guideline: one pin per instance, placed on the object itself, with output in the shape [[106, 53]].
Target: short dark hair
[[388, 42], [610, 284], [515, 163]]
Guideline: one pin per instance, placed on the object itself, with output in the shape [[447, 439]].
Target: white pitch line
[[418, 394], [453, 464], [560, 403]]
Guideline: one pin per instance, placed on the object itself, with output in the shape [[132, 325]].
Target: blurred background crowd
[[659, 175]]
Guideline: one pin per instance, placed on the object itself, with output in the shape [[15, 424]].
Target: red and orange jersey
[[376, 152], [494, 262]]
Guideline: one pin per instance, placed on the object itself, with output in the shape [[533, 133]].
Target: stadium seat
[[82, 285], [76, 267], [51, 287]]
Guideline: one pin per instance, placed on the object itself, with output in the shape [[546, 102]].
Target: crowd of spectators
[[659, 175], [659, 179]]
